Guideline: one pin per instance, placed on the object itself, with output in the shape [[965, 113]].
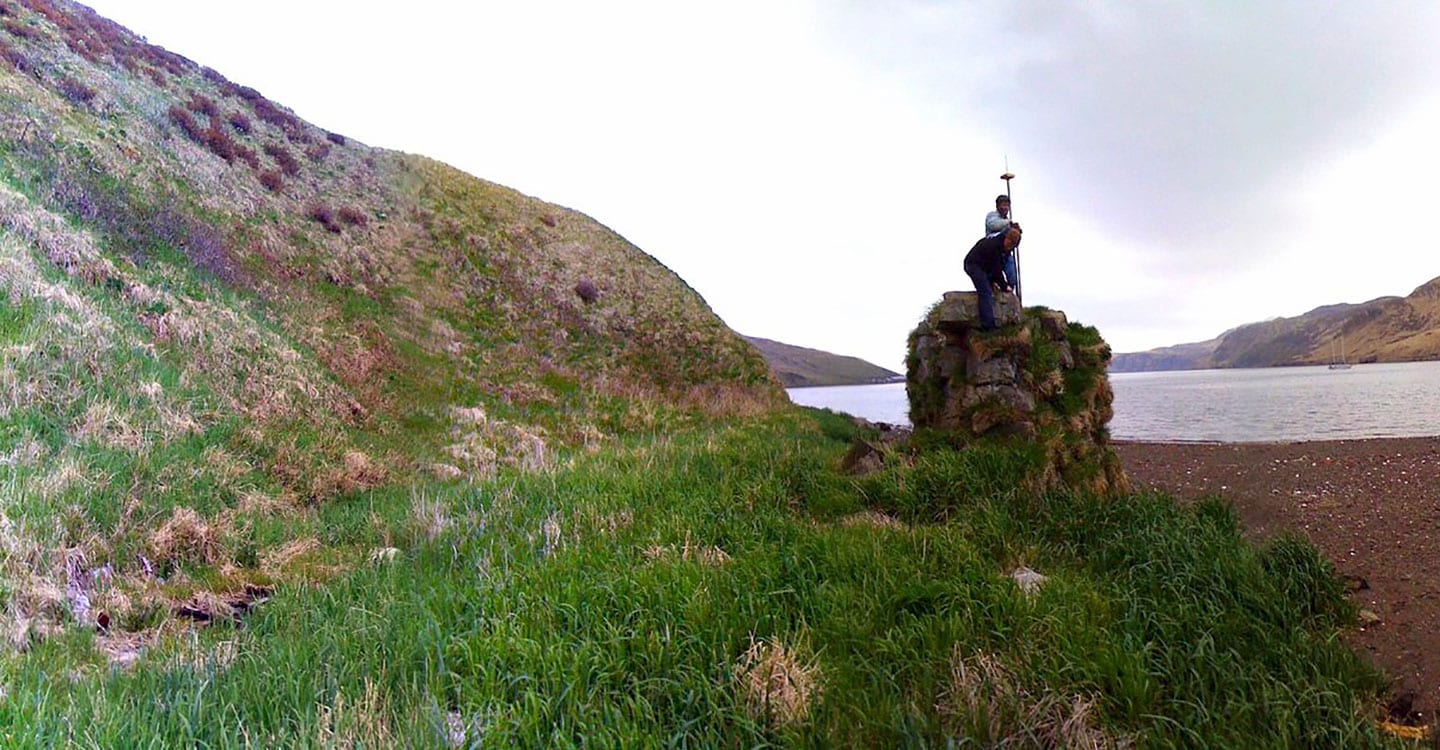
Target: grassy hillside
[[798, 366], [214, 315], [1388, 329]]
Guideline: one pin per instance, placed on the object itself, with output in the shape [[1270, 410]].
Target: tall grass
[[727, 587]]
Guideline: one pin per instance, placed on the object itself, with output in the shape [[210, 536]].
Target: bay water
[[1273, 404]]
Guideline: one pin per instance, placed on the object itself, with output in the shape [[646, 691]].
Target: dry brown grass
[[256, 502], [363, 723], [779, 684], [357, 471], [224, 466], [553, 533], [200, 656], [25, 453], [483, 444], [383, 554], [731, 401], [688, 552], [104, 423], [606, 524], [216, 344], [445, 471], [184, 537], [65, 248], [983, 702], [67, 473], [429, 516], [991, 345], [589, 437], [31, 569], [277, 561], [124, 650], [77, 324], [872, 518]]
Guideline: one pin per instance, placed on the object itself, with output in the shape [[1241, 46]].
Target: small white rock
[[1028, 580]]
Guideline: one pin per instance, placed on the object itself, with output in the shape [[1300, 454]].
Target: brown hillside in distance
[[798, 366], [1387, 329]]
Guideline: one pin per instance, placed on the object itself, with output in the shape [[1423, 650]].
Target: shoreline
[[1371, 506], [1263, 443]]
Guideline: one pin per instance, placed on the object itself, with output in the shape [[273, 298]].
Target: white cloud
[[817, 170]]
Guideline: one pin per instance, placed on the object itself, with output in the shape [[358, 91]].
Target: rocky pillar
[[1036, 378]]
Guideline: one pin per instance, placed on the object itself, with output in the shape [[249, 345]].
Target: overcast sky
[[817, 170]]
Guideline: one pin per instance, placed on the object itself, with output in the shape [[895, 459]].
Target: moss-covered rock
[[1038, 378]]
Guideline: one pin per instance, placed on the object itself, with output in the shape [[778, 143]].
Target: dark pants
[[987, 297]]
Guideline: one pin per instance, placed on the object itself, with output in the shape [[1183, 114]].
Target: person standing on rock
[[985, 265], [996, 222]]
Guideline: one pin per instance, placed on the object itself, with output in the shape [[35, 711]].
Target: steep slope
[[1387, 329], [798, 366], [210, 309]]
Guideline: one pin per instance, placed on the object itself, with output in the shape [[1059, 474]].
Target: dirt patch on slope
[[1371, 506]]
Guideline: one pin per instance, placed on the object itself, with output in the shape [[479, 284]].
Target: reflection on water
[[1232, 406]]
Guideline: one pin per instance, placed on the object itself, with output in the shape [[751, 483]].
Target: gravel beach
[[1371, 506]]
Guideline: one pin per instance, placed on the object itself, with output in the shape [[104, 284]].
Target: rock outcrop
[[1038, 378]]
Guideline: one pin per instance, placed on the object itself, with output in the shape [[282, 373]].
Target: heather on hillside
[[219, 316]]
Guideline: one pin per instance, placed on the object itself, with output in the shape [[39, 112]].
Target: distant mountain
[[1387, 329], [797, 366]]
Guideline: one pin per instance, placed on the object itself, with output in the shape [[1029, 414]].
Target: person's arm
[[997, 276], [995, 265]]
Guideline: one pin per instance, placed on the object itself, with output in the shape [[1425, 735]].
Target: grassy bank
[[727, 587]]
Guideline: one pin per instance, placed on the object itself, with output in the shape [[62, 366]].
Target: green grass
[[580, 607], [15, 320]]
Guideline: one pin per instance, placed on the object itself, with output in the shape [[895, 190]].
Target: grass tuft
[[184, 538], [778, 683], [984, 703]]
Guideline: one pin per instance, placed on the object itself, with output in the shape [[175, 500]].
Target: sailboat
[[1338, 364]]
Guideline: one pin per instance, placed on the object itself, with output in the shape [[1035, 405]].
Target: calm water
[[1232, 406], [877, 403]]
